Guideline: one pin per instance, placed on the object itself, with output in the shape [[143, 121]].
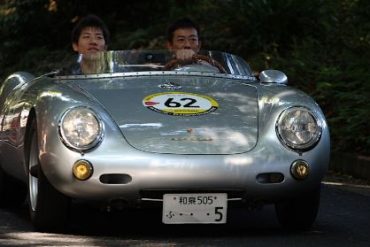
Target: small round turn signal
[[300, 169], [82, 169]]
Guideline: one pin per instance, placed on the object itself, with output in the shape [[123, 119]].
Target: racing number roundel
[[180, 103]]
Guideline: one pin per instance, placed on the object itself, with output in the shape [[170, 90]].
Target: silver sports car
[[135, 128]]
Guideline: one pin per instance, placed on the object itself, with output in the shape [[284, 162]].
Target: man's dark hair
[[181, 23], [90, 21]]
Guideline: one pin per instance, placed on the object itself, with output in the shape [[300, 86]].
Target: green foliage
[[323, 46]]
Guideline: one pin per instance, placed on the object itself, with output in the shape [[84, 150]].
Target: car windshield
[[138, 61]]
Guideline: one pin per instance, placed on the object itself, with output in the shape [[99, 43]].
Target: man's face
[[185, 38], [91, 40]]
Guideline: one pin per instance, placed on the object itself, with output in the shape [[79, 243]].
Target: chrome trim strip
[[155, 73]]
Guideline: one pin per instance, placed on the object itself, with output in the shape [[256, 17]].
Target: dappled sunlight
[[202, 140], [347, 185], [55, 94], [277, 99], [43, 239], [141, 126], [362, 186], [239, 161], [269, 100], [245, 101], [50, 239]]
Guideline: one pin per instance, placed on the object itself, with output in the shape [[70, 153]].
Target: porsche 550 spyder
[[194, 137]]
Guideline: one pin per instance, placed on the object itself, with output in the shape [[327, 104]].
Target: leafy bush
[[323, 46]]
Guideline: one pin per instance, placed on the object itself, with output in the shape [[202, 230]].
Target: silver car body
[[144, 152]]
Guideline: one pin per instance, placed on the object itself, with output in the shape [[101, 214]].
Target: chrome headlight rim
[[293, 146], [97, 140]]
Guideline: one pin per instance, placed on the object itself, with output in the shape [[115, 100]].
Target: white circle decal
[[180, 103]]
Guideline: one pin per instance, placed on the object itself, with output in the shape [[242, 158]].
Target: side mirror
[[273, 76]]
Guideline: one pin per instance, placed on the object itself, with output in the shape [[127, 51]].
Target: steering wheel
[[194, 59]]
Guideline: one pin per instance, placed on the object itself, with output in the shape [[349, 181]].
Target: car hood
[[181, 114]]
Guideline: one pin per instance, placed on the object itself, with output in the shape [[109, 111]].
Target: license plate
[[205, 208]]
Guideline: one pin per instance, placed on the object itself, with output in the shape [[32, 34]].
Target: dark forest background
[[322, 46]]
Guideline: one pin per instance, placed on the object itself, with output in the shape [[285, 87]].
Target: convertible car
[[139, 128]]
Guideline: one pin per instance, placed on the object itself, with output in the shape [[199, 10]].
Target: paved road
[[343, 220]]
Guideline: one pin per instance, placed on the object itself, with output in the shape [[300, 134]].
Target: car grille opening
[[270, 178], [115, 178]]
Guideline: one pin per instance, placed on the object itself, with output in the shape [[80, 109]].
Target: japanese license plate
[[205, 208]]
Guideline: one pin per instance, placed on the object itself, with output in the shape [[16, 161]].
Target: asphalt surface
[[343, 220]]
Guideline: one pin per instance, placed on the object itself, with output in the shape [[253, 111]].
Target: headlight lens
[[80, 128], [298, 128]]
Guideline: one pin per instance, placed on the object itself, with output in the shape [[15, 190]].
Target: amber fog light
[[300, 169], [82, 169]]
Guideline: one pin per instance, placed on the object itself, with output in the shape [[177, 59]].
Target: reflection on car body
[[192, 138]]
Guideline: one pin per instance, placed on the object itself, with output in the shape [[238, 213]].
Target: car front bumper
[[135, 175]]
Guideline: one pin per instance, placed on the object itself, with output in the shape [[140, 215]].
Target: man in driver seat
[[183, 39]]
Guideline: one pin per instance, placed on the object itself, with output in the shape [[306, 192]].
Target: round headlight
[[298, 128], [80, 128]]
